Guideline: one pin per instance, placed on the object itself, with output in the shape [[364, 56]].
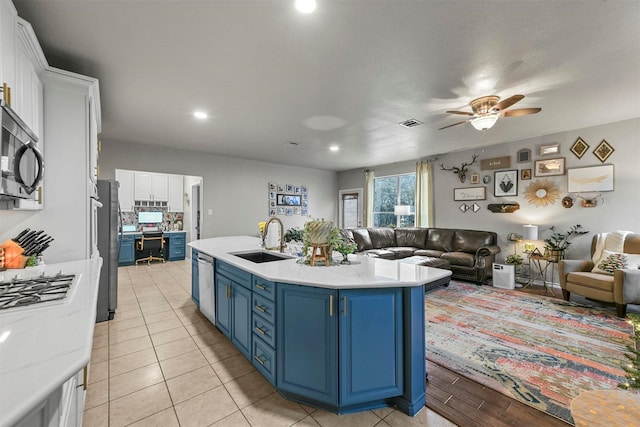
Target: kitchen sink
[[260, 256]]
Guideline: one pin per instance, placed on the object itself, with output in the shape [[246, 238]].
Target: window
[[389, 191]]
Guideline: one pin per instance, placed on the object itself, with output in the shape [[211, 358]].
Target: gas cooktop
[[34, 290]]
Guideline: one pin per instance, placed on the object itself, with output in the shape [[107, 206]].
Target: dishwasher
[[205, 284]]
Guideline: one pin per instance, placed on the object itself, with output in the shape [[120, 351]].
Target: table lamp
[[530, 232], [401, 210]]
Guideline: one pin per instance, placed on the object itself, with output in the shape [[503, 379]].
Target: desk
[[175, 241]]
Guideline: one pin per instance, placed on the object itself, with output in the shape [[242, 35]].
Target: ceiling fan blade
[[455, 124], [520, 112], [506, 103], [464, 113]]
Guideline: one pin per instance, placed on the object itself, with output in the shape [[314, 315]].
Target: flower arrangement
[[261, 226], [560, 241]]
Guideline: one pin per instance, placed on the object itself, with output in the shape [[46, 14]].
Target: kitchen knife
[[17, 238]]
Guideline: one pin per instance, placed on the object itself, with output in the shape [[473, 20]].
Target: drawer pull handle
[[228, 291], [261, 286], [260, 361], [261, 308], [259, 329], [330, 305]]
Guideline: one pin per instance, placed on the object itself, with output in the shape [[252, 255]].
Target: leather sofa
[[470, 253]]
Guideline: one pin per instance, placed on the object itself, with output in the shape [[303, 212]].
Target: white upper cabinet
[[125, 190], [176, 188], [149, 186], [8, 43]]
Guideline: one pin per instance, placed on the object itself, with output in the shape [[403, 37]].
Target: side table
[[538, 269]]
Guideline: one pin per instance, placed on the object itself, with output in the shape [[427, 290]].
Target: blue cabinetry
[[233, 305], [195, 286], [177, 246], [352, 338], [126, 243], [264, 328]]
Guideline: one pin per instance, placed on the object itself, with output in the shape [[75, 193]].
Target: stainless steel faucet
[[266, 231]]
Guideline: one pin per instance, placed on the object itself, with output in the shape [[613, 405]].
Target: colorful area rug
[[538, 350]]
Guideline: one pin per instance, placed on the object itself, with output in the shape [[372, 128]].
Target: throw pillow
[[611, 261]]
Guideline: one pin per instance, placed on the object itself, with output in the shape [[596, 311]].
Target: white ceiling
[[346, 74]]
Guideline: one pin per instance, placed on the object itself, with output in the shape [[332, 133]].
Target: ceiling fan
[[488, 109]]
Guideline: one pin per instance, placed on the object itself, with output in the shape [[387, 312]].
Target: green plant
[[514, 259], [633, 370], [560, 241], [294, 235], [339, 243]]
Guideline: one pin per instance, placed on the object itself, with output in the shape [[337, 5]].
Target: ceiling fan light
[[485, 122]]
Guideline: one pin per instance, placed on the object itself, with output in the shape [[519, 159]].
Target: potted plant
[[341, 244], [557, 243], [514, 259], [294, 237]]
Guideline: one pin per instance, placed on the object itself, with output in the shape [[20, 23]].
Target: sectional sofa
[[469, 253]]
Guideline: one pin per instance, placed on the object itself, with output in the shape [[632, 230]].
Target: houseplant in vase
[[557, 243], [341, 244], [294, 237]]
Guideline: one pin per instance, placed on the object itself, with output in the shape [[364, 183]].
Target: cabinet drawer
[[127, 238], [263, 329], [265, 308], [239, 276], [264, 288], [264, 360]]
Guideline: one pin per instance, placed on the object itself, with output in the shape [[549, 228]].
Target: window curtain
[[424, 194], [368, 197]]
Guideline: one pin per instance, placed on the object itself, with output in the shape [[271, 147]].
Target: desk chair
[[151, 242]]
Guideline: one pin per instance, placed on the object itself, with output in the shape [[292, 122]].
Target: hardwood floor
[[468, 403]]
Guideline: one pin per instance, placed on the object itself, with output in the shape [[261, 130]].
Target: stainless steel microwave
[[21, 163]]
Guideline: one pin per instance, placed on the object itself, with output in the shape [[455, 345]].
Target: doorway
[[196, 226], [351, 208]]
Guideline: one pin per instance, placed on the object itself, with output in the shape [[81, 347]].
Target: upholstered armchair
[[622, 287]]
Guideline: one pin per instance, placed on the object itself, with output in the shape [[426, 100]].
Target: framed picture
[[289, 211], [289, 188], [525, 174], [304, 212], [603, 151], [272, 212], [496, 163], [592, 178], [273, 186], [469, 193], [524, 155], [475, 207], [304, 189], [549, 167], [280, 188], [505, 183], [272, 195], [475, 178], [296, 210], [272, 203], [464, 207], [549, 149], [579, 148], [280, 211], [288, 200], [297, 189]]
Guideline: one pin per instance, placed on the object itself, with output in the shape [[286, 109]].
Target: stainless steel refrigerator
[[108, 226]]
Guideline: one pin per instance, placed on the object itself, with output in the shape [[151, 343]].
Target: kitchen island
[[344, 338], [45, 350]]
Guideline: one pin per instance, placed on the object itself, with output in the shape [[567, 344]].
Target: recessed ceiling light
[[306, 6], [334, 148], [200, 115]]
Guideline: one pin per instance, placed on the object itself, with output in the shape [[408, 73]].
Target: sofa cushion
[[611, 261], [470, 241], [401, 251], [439, 239], [598, 281], [380, 253], [460, 258], [412, 237], [362, 239], [428, 252], [382, 237]]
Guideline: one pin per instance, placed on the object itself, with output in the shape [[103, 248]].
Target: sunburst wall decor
[[542, 192]]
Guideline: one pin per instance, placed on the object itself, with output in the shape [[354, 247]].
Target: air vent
[[411, 123]]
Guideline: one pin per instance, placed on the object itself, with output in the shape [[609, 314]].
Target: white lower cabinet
[[63, 407]]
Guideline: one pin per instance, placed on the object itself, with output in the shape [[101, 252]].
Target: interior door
[[351, 208]]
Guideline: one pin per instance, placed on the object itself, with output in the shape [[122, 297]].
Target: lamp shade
[[530, 232], [402, 210], [484, 122]]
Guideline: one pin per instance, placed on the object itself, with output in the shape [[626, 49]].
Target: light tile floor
[[161, 363]]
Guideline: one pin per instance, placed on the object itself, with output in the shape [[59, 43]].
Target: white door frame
[[360, 192]]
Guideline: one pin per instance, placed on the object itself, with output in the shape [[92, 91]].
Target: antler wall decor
[[462, 170]]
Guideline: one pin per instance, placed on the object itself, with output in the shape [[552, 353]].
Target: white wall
[[620, 210], [235, 190]]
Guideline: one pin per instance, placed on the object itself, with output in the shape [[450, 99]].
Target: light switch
[[210, 212]]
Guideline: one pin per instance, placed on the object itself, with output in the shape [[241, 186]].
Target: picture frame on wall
[[272, 212], [549, 167], [280, 211], [505, 183], [549, 149], [475, 178], [280, 188], [469, 193], [524, 155], [273, 186], [525, 174], [591, 178], [579, 148], [603, 151]]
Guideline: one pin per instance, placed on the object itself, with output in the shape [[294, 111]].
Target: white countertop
[[159, 231], [42, 346], [364, 271]]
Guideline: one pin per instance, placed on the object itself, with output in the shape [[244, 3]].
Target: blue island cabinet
[[340, 350], [233, 305]]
